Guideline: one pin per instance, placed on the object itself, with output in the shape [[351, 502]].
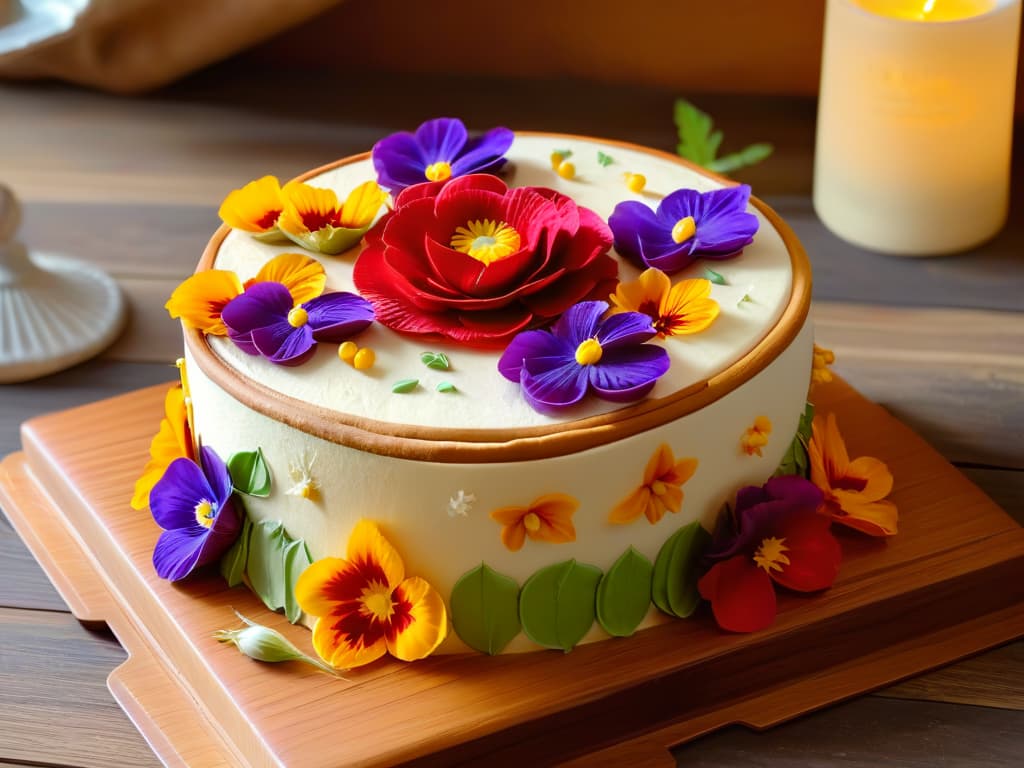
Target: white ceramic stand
[[54, 311]]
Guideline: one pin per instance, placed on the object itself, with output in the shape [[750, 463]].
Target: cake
[[478, 472]]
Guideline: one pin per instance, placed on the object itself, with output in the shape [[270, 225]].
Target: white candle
[[915, 122]]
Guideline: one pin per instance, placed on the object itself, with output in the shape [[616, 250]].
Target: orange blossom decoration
[[173, 441], [661, 490], [756, 437], [854, 490], [200, 299], [255, 208], [675, 310], [366, 607], [314, 218], [823, 358], [548, 518]]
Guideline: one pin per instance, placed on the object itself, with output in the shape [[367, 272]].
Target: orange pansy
[[756, 437], [201, 298], [255, 208], [366, 607], [675, 310], [313, 217], [661, 490], [854, 490], [548, 518], [173, 441]]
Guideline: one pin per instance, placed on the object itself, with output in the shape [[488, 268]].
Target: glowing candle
[[915, 122]]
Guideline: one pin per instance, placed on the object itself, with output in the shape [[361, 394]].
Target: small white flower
[[301, 472], [461, 504]]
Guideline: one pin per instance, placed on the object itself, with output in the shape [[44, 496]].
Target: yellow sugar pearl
[[364, 359], [566, 170], [347, 351], [556, 160], [636, 182]]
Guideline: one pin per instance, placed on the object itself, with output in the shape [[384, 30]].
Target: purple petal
[[724, 202], [580, 322], [177, 552], [670, 260], [485, 153], [174, 498], [628, 373], [800, 493], [398, 161], [441, 139], [217, 476], [335, 317], [633, 226], [284, 344], [550, 383], [260, 305], [531, 344], [678, 205], [625, 329]]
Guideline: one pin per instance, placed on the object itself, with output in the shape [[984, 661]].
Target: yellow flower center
[[377, 602], [684, 229], [589, 352], [531, 522], [658, 488], [439, 171], [486, 241], [204, 513], [298, 317], [769, 555]]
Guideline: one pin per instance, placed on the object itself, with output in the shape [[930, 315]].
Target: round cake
[[539, 518]]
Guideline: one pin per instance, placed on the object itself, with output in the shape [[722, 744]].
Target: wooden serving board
[[949, 585]]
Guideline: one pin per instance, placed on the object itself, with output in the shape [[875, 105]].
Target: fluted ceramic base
[[58, 312]]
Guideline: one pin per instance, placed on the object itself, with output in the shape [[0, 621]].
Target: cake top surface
[[755, 289]]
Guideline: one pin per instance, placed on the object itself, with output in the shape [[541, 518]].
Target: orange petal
[[681, 472], [655, 509], [172, 441], [302, 275], [877, 475], [555, 511], [200, 299], [304, 200], [334, 648], [255, 207], [312, 590], [648, 288], [509, 515], [672, 498], [429, 624], [366, 544], [631, 507], [513, 536], [361, 205], [877, 518], [837, 460]]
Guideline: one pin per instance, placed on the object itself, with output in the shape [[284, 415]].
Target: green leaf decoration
[[674, 582], [557, 604], [275, 562], [714, 277], [745, 298], [405, 386], [565, 153], [485, 609], [604, 160], [699, 141], [624, 594], [232, 562], [436, 360], [796, 460], [446, 386], [249, 473]]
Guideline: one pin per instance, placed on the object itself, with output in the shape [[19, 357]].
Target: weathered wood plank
[[53, 680], [869, 732]]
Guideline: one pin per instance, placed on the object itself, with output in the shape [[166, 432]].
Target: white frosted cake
[[538, 517]]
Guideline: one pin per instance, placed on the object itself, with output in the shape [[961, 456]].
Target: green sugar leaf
[[674, 581], [405, 386], [436, 360], [565, 153], [232, 563], [485, 609], [557, 604], [446, 386], [714, 277], [249, 473], [745, 298], [699, 141], [624, 594], [274, 565], [796, 460], [296, 560], [604, 160]]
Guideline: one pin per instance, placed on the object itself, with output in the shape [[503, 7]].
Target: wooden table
[[133, 186]]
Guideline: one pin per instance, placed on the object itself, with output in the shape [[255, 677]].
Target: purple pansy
[[193, 505], [264, 321], [687, 225], [760, 509], [582, 352], [440, 149]]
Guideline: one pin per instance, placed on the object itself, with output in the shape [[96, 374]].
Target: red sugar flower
[[474, 261]]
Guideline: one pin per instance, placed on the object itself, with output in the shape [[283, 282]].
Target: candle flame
[[929, 6]]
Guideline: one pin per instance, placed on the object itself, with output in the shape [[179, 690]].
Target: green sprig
[[699, 142]]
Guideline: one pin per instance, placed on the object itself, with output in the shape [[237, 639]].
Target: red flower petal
[[741, 594], [813, 552]]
